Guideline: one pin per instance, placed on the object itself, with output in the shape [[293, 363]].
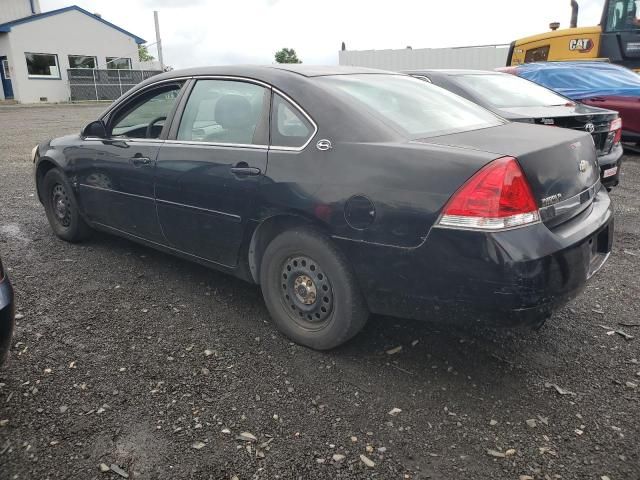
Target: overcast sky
[[215, 32]]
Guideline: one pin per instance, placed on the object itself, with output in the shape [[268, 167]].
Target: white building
[[36, 49], [486, 57]]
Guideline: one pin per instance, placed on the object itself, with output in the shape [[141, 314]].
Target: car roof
[[280, 76], [451, 71], [261, 71]]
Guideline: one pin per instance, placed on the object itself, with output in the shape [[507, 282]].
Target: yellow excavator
[[616, 39]]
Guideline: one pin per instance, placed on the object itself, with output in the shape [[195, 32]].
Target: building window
[[118, 63], [42, 65], [80, 61]]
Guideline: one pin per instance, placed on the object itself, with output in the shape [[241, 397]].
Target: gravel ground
[[153, 365]]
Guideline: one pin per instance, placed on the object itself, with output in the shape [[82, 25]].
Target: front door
[[208, 171], [5, 76], [116, 185]]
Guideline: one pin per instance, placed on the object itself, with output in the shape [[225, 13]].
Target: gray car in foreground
[[6, 314]]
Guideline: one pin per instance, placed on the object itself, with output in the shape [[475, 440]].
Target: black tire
[[7, 325], [321, 314], [62, 209]]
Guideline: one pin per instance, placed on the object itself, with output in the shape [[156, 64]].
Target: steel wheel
[[306, 292], [309, 288], [60, 205]]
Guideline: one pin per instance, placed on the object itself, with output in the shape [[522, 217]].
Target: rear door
[[116, 186], [209, 169]]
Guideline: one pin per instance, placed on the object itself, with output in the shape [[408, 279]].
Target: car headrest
[[233, 111]]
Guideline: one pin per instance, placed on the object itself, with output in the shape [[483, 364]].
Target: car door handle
[[243, 168], [140, 161]]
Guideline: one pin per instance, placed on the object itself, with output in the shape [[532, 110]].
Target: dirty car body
[[364, 159], [7, 319], [520, 100]]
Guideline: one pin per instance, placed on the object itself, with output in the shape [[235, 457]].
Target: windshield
[[623, 15], [504, 91], [416, 108]]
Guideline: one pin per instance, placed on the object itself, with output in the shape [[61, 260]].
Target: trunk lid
[[559, 164], [596, 121]]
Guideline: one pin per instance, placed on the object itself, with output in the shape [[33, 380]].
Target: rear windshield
[[504, 91], [414, 107]]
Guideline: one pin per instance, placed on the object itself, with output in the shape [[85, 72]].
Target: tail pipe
[[574, 13]]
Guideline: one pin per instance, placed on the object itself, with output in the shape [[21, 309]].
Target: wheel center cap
[[305, 289]]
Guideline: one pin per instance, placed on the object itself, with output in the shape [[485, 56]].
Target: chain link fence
[[91, 84]]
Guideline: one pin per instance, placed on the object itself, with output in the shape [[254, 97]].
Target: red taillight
[[616, 126], [496, 197]]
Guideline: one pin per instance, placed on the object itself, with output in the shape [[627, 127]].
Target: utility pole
[[158, 40]]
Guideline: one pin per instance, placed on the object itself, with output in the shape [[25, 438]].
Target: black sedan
[[520, 100], [340, 191], [6, 314]]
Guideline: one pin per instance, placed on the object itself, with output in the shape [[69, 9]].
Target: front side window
[[80, 61], [42, 65], [411, 106], [145, 116], [623, 15], [505, 91], [289, 127], [117, 63], [225, 111]]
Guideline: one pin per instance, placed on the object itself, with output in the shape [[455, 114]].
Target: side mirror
[[95, 129]]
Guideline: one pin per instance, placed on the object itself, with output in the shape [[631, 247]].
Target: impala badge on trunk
[[547, 201]]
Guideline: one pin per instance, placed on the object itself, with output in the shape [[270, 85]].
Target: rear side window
[[289, 126], [413, 107], [225, 111]]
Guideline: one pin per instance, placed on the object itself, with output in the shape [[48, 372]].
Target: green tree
[[144, 55], [287, 55]]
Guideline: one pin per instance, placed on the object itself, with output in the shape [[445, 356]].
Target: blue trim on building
[[6, 27]]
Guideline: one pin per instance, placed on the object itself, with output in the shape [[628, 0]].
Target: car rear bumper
[[6, 318], [508, 278], [610, 165]]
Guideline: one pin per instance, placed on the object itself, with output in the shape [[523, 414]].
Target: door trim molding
[[110, 190], [236, 218]]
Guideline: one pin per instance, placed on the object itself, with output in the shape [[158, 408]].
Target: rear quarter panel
[[407, 184]]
